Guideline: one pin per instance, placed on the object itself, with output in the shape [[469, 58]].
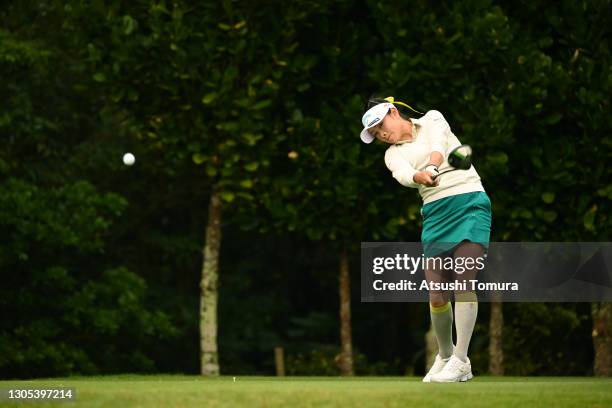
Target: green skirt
[[451, 220]]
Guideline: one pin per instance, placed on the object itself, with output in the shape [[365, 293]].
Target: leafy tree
[[517, 87], [254, 109], [197, 81], [328, 187], [55, 228]]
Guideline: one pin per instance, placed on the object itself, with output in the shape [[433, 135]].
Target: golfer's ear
[[393, 112]]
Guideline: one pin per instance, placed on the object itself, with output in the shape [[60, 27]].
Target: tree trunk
[[209, 358], [496, 327], [279, 360], [602, 338], [346, 354]]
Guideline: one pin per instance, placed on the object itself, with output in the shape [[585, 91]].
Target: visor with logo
[[371, 118]]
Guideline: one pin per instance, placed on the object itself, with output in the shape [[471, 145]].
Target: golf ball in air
[[129, 159]]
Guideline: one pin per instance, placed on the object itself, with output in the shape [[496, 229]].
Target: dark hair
[[375, 100]]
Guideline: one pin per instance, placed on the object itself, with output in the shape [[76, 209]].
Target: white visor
[[371, 118]]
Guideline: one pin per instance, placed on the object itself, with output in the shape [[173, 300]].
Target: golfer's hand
[[425, 178]]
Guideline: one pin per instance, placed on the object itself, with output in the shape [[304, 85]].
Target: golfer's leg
[[441, 313], [466, 302]]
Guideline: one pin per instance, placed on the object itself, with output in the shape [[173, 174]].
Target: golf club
[[460, 158]]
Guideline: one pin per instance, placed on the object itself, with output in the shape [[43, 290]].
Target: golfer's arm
[[437, 138], [401, 169], [436, 159]]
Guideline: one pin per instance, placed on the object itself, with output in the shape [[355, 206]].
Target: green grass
[[192, 391]]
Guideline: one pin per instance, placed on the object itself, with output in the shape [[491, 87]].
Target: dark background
[[262, 101]]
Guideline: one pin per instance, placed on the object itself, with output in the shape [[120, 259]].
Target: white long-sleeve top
[[431, 133]]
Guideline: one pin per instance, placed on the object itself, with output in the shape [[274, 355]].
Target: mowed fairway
[[191, 391]]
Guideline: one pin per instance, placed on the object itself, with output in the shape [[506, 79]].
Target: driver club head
[[461, 157]]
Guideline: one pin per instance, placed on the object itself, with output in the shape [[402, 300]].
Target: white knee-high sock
[[442, 322], [465, 319]]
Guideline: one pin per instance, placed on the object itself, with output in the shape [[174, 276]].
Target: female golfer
[[456, 221]]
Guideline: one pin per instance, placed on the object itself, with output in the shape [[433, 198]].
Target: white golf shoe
[[437, 366], [455, 370]]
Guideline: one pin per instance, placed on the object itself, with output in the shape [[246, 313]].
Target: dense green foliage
[[67, 306], [100, 263]]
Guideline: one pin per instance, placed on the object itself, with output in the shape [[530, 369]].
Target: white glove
[[433, 169]]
